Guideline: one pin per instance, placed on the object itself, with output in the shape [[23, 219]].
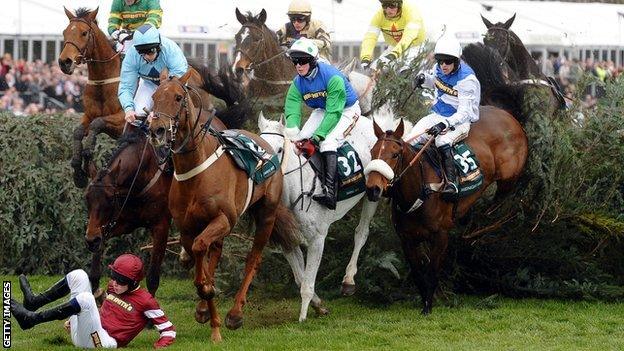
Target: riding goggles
[[390, 5], [446, 61], [298, 18], [147, 51], [301, 60]]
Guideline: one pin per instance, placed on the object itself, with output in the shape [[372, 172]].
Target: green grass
[[471, 323]]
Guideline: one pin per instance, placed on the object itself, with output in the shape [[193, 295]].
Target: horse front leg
[[80, 176], [297, 264], [439, 244], [361, 235], [313, 262], [95, 272], [95, 128], [265, 221], [160, 233]]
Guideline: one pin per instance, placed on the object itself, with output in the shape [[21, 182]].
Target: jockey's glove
[[437, 129], [366, 64], [123, 36], [291, 133], [306, 147], [419, 81], [387, 58], [163, 342], [115, 35]]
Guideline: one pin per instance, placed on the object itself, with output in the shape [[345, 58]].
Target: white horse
[[315, 219]]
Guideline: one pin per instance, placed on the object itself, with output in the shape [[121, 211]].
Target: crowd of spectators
[[569, 73], [28, 88]]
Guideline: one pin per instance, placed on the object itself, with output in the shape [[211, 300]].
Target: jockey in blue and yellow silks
[[456, 104], [144, 61], [334, 102]]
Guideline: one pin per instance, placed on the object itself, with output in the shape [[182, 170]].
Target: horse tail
[[286, 232], [496, 79], [223, 86]]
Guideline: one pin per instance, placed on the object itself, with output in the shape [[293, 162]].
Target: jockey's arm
[[114, 20], [469, 96], [335, 102], [128, 83], [154, 14], [321, 38], [413, 33], [174, 58], [292, 110], [370, 38]]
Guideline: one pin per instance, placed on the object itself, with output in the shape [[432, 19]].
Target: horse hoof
[[233, 322], [202, 315], [216, 336], [347, 289], [321, 311], [426, 311]]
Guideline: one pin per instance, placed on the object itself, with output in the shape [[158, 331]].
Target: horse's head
[[273, 133], [251, 41], [499, 36], [387, 156], [173, 108], [79, 38]]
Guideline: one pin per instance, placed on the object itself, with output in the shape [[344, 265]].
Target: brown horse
[[84, 42], [208, 195], [500, 145]]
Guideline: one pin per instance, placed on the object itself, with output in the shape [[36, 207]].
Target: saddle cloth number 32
[[467, 163], [349, 167]]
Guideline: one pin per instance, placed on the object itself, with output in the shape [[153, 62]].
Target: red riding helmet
[[127, 269]]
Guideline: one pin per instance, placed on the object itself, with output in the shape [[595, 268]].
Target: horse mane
[[496, 79], [82, 12], [131, 137], [223, 86]]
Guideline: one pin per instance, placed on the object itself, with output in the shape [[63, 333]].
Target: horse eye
[[178, 98], [84, 34], [395, 155]]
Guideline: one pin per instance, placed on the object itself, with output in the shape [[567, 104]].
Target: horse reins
[[507, 40], [253, 65]]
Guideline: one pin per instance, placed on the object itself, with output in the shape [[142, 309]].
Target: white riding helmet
[[448, 45], [303, 47], [299, 7]]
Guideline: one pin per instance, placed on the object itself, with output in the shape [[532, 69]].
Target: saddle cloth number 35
[[467, 163]]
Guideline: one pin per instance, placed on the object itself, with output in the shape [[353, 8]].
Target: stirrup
[[447, 190]]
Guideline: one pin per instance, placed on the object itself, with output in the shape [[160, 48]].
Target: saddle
[[249, 156]]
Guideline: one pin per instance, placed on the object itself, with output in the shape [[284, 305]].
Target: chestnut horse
[[397, 171], [208, 195], [84, 42]]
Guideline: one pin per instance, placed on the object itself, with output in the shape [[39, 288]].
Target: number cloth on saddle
[[249, 156], [468, 172], [351, 179]]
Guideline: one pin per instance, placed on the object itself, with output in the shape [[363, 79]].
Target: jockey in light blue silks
[[142, 65], [456, 104]]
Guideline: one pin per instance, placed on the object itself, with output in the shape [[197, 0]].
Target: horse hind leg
[[361, 235], [297, 263], [79, 176]]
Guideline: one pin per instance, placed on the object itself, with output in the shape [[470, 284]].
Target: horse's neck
[[200, 146], [411, 183], [522, 63], [278, 70], [103, 51]]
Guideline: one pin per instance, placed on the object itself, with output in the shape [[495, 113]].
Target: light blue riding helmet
[[146, 37]]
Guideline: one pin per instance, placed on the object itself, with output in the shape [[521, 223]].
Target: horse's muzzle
[[373, 193], [158, 136], [94, 244], [67, 65]]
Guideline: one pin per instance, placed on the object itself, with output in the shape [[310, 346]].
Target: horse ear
[[186, 76], [68, 13], [240, 17], [164, 74], [509, 22], [92, 16], [378, 132], [281, 120], [398, 132], [262, 16], [261, 121], [487, 23]]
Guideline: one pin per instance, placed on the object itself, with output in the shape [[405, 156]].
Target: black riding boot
[[328, 197], [28, 319], [449, 169], [32, 302]]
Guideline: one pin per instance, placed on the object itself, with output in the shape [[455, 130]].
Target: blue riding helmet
[[146, 37]]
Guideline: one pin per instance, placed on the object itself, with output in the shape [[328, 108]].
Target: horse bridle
[[174, 121], [253, 65], [508, 39], [90, 40], [402, 143]]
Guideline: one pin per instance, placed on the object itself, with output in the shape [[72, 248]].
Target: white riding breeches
[[449, 137], [86, 327], [335, 138], [143, 97]]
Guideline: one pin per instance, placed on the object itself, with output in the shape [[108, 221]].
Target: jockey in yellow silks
[[403, 30]]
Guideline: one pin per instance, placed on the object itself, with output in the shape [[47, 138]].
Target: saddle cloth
[[351, 180], [249, 156]]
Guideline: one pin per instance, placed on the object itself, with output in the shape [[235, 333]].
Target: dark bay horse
[[262, 66], [84, 42], [500, 37], [208, 195], [500, 144]]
